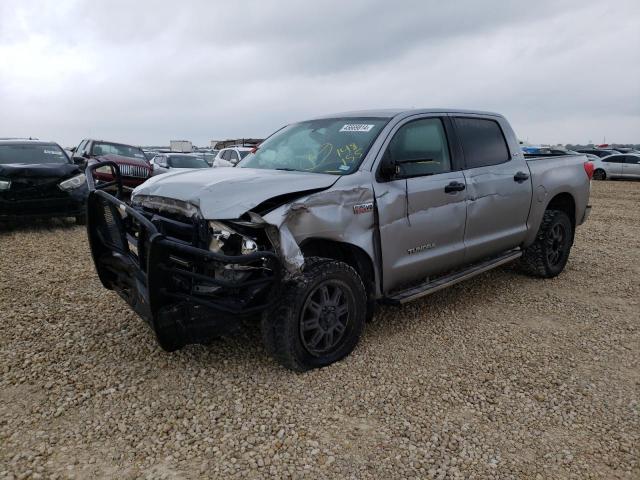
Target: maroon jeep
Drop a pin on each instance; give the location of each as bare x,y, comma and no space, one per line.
134,166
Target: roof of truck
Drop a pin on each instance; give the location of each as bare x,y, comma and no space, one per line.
392,112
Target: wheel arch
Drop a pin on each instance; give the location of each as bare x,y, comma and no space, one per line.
353,255
566,203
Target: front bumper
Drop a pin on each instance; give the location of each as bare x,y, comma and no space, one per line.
172,284
43,205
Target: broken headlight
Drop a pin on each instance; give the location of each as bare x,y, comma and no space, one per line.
228,241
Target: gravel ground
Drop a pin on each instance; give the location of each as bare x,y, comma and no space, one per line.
504,376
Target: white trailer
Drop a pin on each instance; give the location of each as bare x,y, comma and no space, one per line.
182,146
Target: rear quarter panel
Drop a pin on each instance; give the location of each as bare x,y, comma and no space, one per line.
552,176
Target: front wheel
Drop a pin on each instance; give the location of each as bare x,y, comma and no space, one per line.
599,174
548,255
319,318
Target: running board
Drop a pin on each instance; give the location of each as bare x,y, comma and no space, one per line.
439,283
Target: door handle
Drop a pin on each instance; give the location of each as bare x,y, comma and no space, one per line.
454,187
520,177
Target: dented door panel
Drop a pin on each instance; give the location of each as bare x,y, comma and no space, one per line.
421,228
497,209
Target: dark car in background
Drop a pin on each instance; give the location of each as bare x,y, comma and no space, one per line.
38,179
598,152
133,163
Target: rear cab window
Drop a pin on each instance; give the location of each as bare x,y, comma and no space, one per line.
482,140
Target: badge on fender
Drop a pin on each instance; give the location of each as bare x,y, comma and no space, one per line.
363,208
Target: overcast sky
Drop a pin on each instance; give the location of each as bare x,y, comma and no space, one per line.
146,72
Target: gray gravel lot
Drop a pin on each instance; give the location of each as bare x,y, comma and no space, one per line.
504,376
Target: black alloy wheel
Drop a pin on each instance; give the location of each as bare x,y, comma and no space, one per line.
556,244
324,317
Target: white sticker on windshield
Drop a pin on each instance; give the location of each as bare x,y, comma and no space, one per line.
52,152
356,127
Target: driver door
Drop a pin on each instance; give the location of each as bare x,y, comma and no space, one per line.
422,208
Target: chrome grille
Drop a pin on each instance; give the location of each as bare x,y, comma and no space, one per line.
134,171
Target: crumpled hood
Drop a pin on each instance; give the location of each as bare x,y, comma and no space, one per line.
39,170
227,193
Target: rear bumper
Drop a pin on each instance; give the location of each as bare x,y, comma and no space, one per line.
175,287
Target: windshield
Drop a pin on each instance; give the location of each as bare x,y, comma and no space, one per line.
31,154
185,161
101,148
335,146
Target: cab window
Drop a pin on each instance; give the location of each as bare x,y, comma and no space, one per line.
482,141
420,148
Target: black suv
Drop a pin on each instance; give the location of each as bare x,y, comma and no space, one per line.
37,179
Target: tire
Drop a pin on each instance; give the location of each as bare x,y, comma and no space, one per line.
548,255
334,321
81,219
599,174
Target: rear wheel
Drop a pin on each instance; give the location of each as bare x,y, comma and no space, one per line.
548,255
320,317
599,174
81,219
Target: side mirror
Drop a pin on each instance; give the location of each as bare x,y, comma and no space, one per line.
73,149
81,161
388,168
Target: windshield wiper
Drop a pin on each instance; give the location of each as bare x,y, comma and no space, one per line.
288,169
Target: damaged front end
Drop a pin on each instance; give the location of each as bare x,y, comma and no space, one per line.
189,278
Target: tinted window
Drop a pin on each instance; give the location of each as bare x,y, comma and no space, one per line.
614,159
420,148
482,142
186,161
226,155
31,154
631,159
101,148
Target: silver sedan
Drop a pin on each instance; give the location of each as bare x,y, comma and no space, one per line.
617,166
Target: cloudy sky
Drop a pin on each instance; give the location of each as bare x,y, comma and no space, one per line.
149,71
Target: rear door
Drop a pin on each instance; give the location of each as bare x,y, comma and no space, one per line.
498,187
422,207
631,166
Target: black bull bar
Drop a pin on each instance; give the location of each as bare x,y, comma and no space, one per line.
185,293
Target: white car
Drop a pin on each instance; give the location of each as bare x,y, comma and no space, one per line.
617,166
229,157
165,162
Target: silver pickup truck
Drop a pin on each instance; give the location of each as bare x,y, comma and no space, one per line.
330,216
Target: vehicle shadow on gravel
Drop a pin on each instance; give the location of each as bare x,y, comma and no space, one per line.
445,306
30,224
243,345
